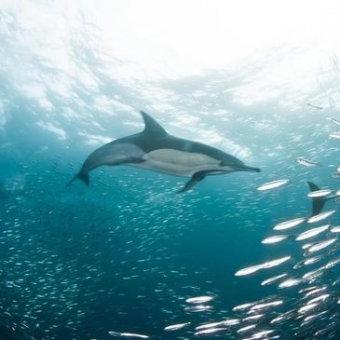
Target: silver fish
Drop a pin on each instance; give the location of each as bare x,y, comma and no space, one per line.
321,245
321,216
200,299
273,279
306,162
319,193
209,331
248,270
336,121
177,326
289,283
312,232
128,335
272,185
289,224
274,239
335,135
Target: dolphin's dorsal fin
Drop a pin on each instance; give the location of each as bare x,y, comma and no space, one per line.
317,202
151,126
313,187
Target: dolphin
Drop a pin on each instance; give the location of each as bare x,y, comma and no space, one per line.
155,149
318,202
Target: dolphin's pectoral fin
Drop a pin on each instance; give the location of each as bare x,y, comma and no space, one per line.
195,178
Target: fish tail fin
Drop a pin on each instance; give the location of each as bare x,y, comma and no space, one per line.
82,176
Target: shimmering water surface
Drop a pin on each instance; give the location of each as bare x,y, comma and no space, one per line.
237,257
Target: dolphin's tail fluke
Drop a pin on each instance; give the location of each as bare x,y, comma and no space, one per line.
317,202
82,176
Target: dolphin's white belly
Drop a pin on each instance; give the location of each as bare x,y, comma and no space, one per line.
179,163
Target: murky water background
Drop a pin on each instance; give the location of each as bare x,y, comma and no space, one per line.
126,253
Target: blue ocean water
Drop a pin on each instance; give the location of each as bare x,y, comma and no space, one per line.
124,254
